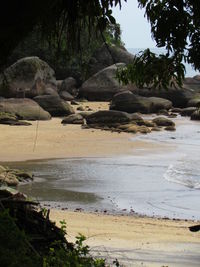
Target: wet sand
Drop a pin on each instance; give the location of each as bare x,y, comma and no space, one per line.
135,241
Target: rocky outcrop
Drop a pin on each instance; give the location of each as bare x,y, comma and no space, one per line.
24,109
129,102
73,119
104,57
102,86
54,105
12,177
28,77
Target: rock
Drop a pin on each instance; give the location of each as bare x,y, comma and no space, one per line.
73,119
176,110
194,102
102,86
163,112
192,83
144,129
124,127
9,179
69,85
188,111
196,115
24,108
103,58
54,105
12,177
170,128
73,102
128,102
66,96
149,123
162,121
156,129
85,114
7,118
132,129
29,77
136,118
107,117
80,108
178,97
50,91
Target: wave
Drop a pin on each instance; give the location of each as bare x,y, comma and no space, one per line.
186,177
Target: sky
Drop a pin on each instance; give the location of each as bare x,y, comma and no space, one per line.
136,31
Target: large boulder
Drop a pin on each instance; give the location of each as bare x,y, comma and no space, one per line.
29,77
24,108
187,111
108,117
104,57
129,102
66,96
102,86
54,105
195,101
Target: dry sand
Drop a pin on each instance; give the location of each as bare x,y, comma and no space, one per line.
50,139
135,241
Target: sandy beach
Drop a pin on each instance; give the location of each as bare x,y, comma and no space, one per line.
50,139
135,241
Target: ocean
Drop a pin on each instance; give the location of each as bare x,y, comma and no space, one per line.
190,72
165,183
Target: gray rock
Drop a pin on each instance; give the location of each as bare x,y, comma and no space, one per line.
188,111
54,105
108,117
178,97
103,58
128,102
102,86
28,76
73,119
162,121
24,108
69,85
194,102
66,96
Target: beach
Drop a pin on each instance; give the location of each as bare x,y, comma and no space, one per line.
135,240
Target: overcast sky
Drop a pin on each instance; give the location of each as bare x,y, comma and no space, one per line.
135,28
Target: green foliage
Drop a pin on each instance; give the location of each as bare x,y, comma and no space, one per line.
149,70
14,248
176,26
78,257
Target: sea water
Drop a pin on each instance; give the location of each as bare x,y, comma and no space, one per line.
164,182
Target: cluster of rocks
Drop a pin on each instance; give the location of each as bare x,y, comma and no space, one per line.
30,91
119,121
12,177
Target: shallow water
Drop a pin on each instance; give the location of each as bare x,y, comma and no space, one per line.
165,183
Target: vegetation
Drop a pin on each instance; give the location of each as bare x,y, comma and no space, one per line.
58,53
28,238
149,70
